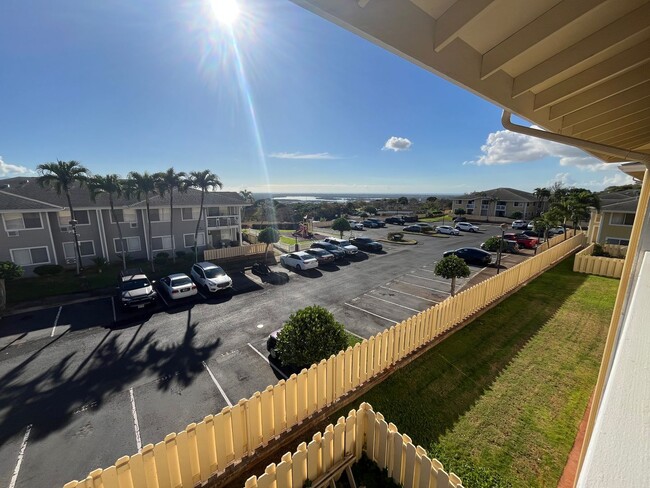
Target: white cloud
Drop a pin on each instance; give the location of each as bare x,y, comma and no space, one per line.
617,178
397,144
298,155
564,178
505,147
8,170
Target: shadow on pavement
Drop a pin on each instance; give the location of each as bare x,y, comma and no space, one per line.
275,278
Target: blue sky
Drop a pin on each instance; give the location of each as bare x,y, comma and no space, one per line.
300,105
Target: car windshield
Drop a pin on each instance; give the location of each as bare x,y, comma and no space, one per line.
344,243
135,284
181,281
214,272
364,239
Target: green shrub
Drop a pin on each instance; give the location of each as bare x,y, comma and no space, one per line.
599,251
310,334
181,254
395,236
161,257
100,262
492,244
516,215
10,270
48,270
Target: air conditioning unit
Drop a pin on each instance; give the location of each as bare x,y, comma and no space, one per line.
13,233
64,229
133,225
70,260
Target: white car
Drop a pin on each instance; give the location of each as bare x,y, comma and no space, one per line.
447,229
531,225
178,286
467,227
519,224
349,249
355,225
299,260
213,277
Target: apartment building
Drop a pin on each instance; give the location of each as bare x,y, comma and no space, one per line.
36,224
613,223
499,202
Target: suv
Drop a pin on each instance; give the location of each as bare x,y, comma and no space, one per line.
135,290
343,244
467,227
395,220
520,224
380,223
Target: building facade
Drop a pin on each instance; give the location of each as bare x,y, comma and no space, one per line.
613,223
36,226
499,202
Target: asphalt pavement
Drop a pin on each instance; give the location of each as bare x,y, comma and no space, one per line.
83,384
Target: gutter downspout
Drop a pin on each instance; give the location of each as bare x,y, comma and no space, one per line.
617,152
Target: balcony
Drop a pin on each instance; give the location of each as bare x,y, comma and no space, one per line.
470,206
223,221
501,208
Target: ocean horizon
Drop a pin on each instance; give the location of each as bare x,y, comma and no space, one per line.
343,197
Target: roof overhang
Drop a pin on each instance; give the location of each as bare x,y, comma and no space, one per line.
635,170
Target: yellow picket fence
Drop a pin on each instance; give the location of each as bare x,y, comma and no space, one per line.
206,448
232,252
363,431
597,265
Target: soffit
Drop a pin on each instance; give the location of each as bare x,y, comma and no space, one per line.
576,67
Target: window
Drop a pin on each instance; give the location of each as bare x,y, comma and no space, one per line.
190,213
515,204
86,248
459,202
22,221
161,243
81,217
621,219
213,211
132,244
126,215
160,215
188,239
30,256
617,241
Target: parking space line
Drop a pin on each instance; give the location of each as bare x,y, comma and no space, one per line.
428,279
409,294
136,426
355,335
163,299
267,361
364,310
393,303
56,321
21,454
214,380
113,305
420,286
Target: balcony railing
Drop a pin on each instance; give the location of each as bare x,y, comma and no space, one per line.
216,222
501,208
470,206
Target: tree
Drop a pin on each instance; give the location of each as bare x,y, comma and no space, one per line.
63,175
452,267
492,244
459,211
432,199
370,209
541,194
205,181
113,186
517,215
402,201
247,196
8,271
143,184
342,225
310,335
268,236
168,181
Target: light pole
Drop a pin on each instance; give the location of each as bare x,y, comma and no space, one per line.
503,231
73,223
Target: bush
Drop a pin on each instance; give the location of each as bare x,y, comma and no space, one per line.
516,215
460,211
491,244
10,270
48,270
310,334
161,257
100,262
181,254
599,251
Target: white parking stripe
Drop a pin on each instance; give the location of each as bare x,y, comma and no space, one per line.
393,303
267,360
355,335
56,321
214,380
420,286
409,294
136,426
364,310
21,454
113,305
428,279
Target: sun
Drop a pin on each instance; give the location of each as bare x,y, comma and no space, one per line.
225,11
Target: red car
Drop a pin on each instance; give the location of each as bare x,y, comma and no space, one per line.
523,240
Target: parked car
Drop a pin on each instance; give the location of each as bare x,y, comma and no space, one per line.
330,248
520,224
355,225
380,223
211,276
349,249
460,218
370,224
395,220
471,255
177,286
299,260
530,233
260,269
467,227
531,225
367,244
410,218
135,290
413,228
508,246
523,240
554,231
322,256
447,229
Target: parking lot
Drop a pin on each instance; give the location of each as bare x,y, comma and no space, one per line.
102,384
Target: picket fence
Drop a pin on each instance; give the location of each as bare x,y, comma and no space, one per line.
363,431
597,265
206,448
232,252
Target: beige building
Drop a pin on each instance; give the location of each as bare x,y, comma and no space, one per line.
613,224
499,202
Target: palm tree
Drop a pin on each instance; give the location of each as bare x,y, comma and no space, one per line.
541,194
205,181
63,175
169,181
247,196
113,186
143,184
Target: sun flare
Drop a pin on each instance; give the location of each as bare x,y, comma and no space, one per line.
225,11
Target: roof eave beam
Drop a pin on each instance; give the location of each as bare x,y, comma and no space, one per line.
456,17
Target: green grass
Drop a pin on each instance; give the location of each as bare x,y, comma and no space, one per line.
447,219
505,395
352,339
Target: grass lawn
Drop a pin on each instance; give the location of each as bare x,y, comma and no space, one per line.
446,218
352,339
505,395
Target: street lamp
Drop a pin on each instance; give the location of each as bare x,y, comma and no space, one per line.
73,223
503,231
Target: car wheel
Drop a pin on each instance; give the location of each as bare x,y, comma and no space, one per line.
299,267
473,230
